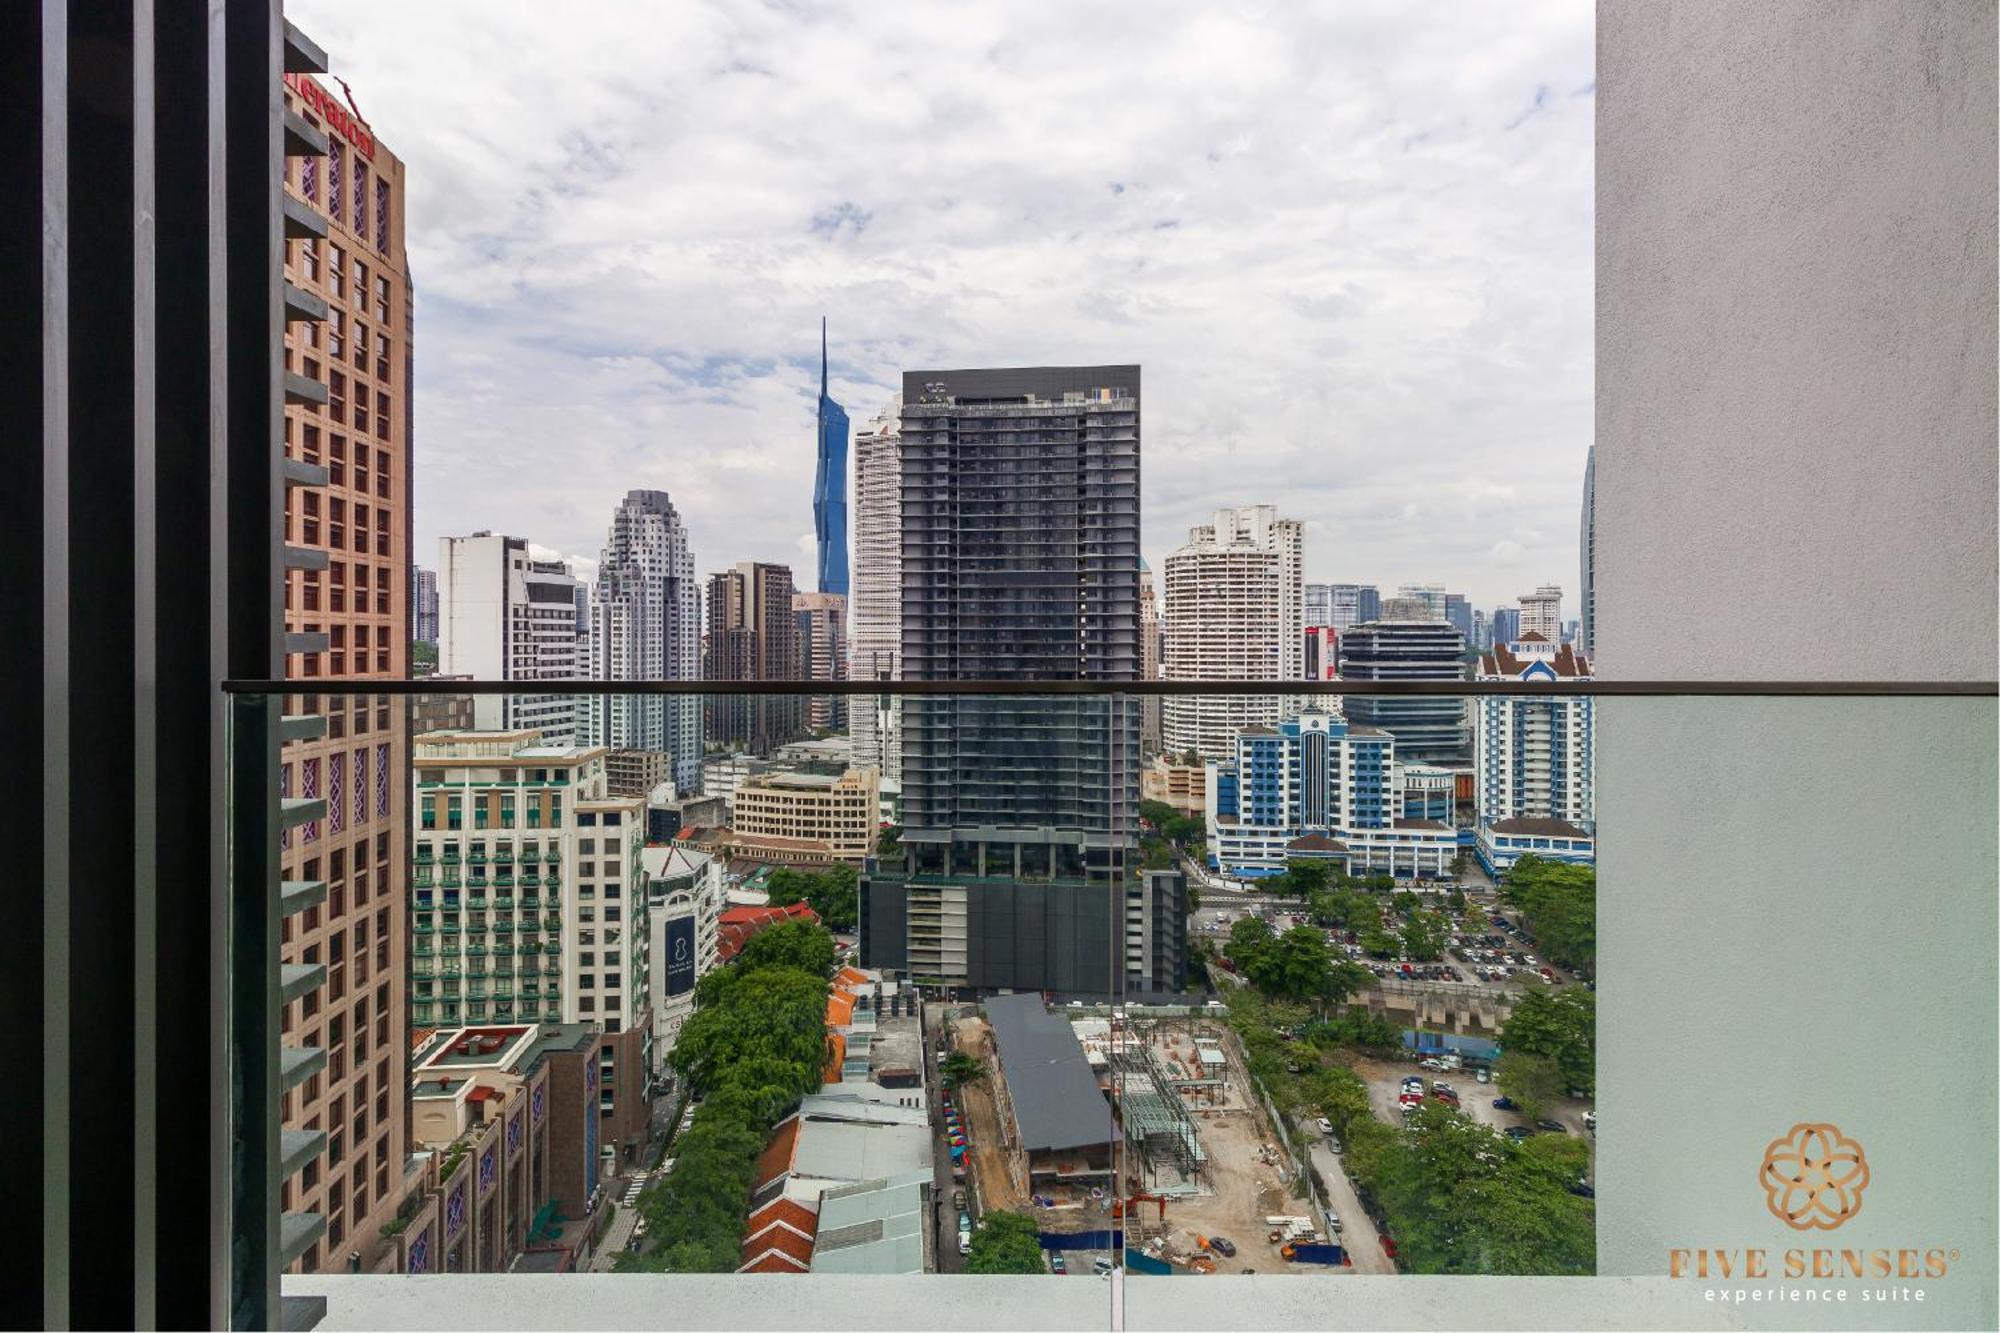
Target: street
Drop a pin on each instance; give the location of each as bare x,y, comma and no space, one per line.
1358,1234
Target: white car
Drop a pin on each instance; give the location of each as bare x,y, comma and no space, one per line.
1325,1125
1590,1121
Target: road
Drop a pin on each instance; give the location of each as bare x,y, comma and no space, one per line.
1358,1235
944,1218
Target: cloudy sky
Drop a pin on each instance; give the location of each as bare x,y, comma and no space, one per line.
1349,243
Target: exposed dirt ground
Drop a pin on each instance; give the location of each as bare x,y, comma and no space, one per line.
995,1174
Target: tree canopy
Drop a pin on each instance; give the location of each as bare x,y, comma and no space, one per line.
833,893
754,1045
799,944
1005,1243
1560,902
1561,1026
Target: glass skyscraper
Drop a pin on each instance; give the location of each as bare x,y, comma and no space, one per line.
830,485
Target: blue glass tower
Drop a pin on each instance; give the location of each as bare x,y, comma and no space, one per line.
830,486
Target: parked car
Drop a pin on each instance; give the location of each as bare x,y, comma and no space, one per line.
965,1242
1590,1121
1482,1076
1503,1103
1582,1190
958,1200
1325,1125
1518,1132
1101,1266
1550,1127
1056,1264
1389,1245
1223,1246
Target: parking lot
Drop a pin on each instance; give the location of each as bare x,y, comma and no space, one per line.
1475,1100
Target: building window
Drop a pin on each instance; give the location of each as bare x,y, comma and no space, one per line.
381,214
360,195
309,178
336,166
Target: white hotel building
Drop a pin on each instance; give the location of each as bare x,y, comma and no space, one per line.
1233,609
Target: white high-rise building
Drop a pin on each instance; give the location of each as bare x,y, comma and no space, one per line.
1150,650
875,591
1541,613
1234,609
1534,758
645,625
504,615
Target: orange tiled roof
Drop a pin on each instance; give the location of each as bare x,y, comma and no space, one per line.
776,1159
839,1009
836,1056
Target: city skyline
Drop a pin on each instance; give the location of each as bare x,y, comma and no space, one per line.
1411,297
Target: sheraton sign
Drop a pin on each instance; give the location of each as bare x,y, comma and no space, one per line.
336,116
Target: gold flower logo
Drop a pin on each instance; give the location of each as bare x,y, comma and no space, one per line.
1813,1177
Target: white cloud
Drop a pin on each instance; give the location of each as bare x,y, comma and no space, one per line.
1354,290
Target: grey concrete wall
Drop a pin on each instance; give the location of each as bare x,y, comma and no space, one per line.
1795,481
1795,339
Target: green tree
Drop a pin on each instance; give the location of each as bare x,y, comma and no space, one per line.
1185,829
1248,940
1560,1025
1426,936
1305,876
1294,965
1530,1080
796,944
889,842
959,1069
1560,903
1005,1243
1157,813
772,1011
833,893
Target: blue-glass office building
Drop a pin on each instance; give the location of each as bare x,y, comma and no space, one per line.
830,485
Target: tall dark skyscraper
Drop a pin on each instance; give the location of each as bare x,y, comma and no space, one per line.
830,485
1020,562
1428,729
1586,631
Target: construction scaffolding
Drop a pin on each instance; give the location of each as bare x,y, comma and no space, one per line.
1156,1122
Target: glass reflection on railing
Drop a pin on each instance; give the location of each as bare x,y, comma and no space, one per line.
946,983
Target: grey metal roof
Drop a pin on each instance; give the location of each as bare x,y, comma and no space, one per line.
1057,1103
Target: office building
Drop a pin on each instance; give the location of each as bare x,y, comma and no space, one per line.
1505,626
753,634
1316,786
822,635
505,615
875,604
1350,604
1172,782
684,909
1482,631
507,1119
1541,613
423,604
1458,614
1533,756
347,614
1020,539
1431,596
830,484
1318,604
645,625
1587,559
1322,653
529,902
834,814
1233,608
636,773
1429,729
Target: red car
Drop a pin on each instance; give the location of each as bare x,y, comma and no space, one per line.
1389,1246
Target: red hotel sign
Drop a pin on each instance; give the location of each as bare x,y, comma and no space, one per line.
333,113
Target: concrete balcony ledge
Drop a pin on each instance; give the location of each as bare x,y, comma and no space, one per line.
959,1302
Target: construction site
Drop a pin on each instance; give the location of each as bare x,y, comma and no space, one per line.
1151,1123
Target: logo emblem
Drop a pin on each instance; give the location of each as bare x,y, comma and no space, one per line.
1813,1177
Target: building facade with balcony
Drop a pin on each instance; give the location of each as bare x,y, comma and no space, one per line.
529,902
347,613
1233,608
753,634
875,600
